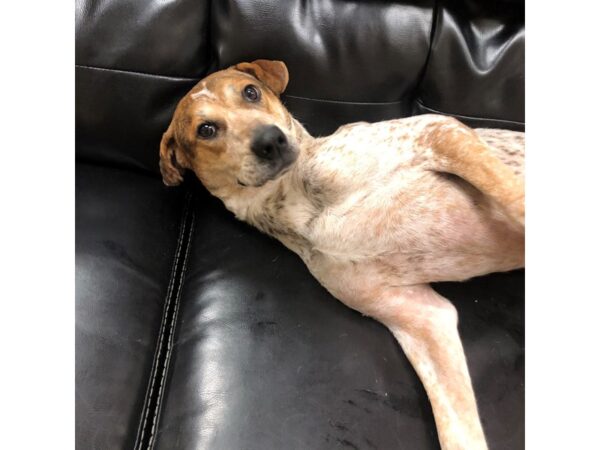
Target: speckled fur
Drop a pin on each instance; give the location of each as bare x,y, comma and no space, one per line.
376,211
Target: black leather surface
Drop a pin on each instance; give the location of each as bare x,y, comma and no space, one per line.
126,233
477,63
148,36
121,116
359,51
265,358
323,117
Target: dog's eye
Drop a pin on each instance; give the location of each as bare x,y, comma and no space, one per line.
207,130
251,93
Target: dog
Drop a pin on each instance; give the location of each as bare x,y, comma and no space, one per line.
376,211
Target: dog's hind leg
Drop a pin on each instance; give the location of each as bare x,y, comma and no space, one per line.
425,325
452,147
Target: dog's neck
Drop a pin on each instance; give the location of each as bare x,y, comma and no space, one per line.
265,207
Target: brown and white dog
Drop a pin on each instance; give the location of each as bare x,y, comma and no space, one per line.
376,211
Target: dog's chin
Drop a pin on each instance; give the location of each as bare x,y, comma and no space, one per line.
270,176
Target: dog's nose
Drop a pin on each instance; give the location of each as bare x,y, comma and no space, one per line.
269,142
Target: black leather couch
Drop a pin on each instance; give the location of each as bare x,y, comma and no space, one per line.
194,331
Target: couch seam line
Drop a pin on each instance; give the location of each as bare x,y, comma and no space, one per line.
134,72
162,332
172,327
432,34
489,119
346,102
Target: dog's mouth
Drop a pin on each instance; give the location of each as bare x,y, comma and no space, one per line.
284,170
272,170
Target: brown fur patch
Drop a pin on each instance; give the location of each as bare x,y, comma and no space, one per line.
458,149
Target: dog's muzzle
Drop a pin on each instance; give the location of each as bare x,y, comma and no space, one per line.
271,146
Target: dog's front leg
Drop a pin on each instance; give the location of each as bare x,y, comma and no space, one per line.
455,148
425,325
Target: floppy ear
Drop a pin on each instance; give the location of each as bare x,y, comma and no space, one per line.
272,73
170,168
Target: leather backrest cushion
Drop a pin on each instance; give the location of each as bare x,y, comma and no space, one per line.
349,60
477,63
135,59
344,50
149,36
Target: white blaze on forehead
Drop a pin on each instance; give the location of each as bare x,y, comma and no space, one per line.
203,93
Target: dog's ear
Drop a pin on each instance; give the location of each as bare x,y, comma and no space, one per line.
170,167
272,73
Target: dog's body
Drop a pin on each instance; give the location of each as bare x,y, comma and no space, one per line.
376,211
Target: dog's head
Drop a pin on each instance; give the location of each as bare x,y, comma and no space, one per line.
231,129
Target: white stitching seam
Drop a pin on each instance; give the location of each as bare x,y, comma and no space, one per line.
170,339
163,325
